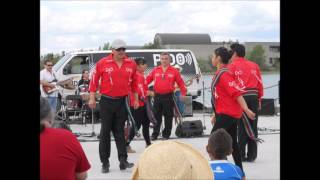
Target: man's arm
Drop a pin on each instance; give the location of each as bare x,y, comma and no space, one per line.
150,77
95,77
245,108
93,86
134,89
181,84
46,83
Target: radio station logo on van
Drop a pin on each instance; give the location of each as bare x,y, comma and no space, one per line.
179,59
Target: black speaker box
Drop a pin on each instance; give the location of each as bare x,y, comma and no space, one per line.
267,107
189,129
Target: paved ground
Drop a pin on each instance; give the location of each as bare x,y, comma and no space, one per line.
266,167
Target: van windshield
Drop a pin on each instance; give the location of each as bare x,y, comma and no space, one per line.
61,62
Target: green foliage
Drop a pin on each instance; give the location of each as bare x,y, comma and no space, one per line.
257,55
51,56
276,65
106,46
150,45
205,65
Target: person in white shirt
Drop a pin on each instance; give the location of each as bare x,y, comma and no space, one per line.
48,87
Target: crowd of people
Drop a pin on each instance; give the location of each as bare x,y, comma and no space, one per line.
236,98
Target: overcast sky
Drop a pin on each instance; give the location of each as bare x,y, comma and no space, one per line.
74,25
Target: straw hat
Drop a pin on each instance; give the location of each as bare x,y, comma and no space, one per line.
172,160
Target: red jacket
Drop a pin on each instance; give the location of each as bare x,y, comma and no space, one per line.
141,87
115,81
164,82
226,94
247,74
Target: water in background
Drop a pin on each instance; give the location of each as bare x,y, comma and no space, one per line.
268,80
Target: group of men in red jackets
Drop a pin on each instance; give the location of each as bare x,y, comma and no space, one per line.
117,76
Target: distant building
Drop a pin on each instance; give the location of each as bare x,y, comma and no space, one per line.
199,44
272,51
134,47
203,48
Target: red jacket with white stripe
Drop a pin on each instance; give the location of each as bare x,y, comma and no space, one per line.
247,74
164,82
226,94
115,81
141,87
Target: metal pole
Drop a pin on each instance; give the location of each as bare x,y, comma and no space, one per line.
92,121
83,113
203,111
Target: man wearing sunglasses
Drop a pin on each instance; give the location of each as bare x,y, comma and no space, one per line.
47,82
114,75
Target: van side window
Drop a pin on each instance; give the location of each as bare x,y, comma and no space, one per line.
77,64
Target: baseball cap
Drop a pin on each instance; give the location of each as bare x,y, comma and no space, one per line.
118,43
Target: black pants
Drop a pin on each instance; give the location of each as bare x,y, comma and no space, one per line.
230,125
113,116
163,104
253,103
141,118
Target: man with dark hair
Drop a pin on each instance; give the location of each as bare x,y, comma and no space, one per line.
165,76
219,147
48,84
114,75
239,49
248,76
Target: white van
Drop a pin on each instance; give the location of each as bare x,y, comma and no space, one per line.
72,64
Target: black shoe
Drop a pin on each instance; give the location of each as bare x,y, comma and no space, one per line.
250,160
244,159
148,145
124,164
165,138
153,138
105,167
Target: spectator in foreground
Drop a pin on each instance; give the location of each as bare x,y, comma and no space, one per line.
61,155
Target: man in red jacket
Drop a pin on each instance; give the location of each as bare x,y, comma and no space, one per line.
116,76
248,76
165,77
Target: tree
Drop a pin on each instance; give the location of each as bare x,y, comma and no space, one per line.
150,45
53,57
276,65
205,65
106,46
257,55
